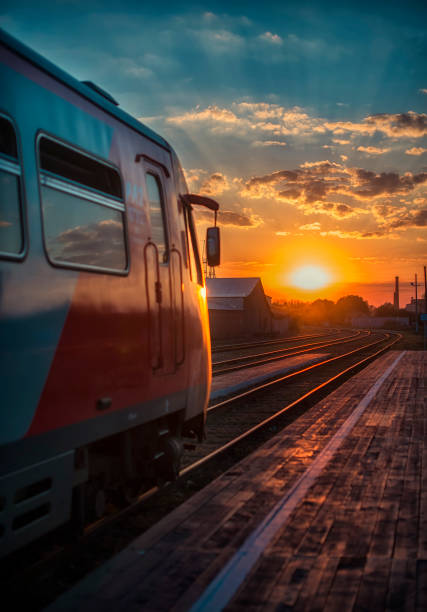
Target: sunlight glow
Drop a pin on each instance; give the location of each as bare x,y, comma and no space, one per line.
310,277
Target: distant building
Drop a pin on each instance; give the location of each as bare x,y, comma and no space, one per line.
238,307
412,306
396,293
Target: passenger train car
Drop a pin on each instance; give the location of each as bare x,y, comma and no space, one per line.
104,335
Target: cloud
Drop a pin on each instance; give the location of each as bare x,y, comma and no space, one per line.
97,244
259,119
310,226
393,217
214,185
229,217
297,47
373,150
341,192
260,110
415,151
283,233
275,39
401,125
210,114
369,184
247,119
253,266
193,178
305,185
217,41
332,209
417,218
268,143
355,234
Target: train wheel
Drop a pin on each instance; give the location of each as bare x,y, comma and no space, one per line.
170,463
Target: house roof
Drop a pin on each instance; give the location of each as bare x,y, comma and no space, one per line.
231,287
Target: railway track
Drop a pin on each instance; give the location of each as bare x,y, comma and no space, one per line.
261,410
305,369
312,392
231,365
245,345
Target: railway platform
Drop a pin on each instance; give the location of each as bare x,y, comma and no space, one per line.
330,514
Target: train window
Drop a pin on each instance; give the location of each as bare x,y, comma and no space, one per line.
157,216
7,139
74,166
11,235
82,228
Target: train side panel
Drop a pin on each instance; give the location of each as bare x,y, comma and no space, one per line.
89,356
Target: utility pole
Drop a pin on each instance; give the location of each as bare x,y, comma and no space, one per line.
425,291
416,285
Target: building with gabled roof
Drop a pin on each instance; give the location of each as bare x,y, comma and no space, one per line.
238,307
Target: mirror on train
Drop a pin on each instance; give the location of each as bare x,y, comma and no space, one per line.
213,246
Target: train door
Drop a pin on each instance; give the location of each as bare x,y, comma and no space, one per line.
163,269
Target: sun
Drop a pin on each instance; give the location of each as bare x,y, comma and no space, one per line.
310,277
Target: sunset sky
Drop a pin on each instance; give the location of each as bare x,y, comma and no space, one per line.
305,120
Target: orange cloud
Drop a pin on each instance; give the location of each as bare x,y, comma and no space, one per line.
402,125
310,226
193,177
332,209
216,184
247,118
373,150
229,217
268,143
355,234
314,181
369,184
211,113
415,151
313,187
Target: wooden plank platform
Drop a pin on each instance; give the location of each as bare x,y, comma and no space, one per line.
331,514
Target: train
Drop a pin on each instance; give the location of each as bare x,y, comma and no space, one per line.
104,335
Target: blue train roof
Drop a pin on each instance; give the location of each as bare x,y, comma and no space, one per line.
93,93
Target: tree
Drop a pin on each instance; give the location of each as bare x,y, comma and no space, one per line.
386,310
320,311
350,306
